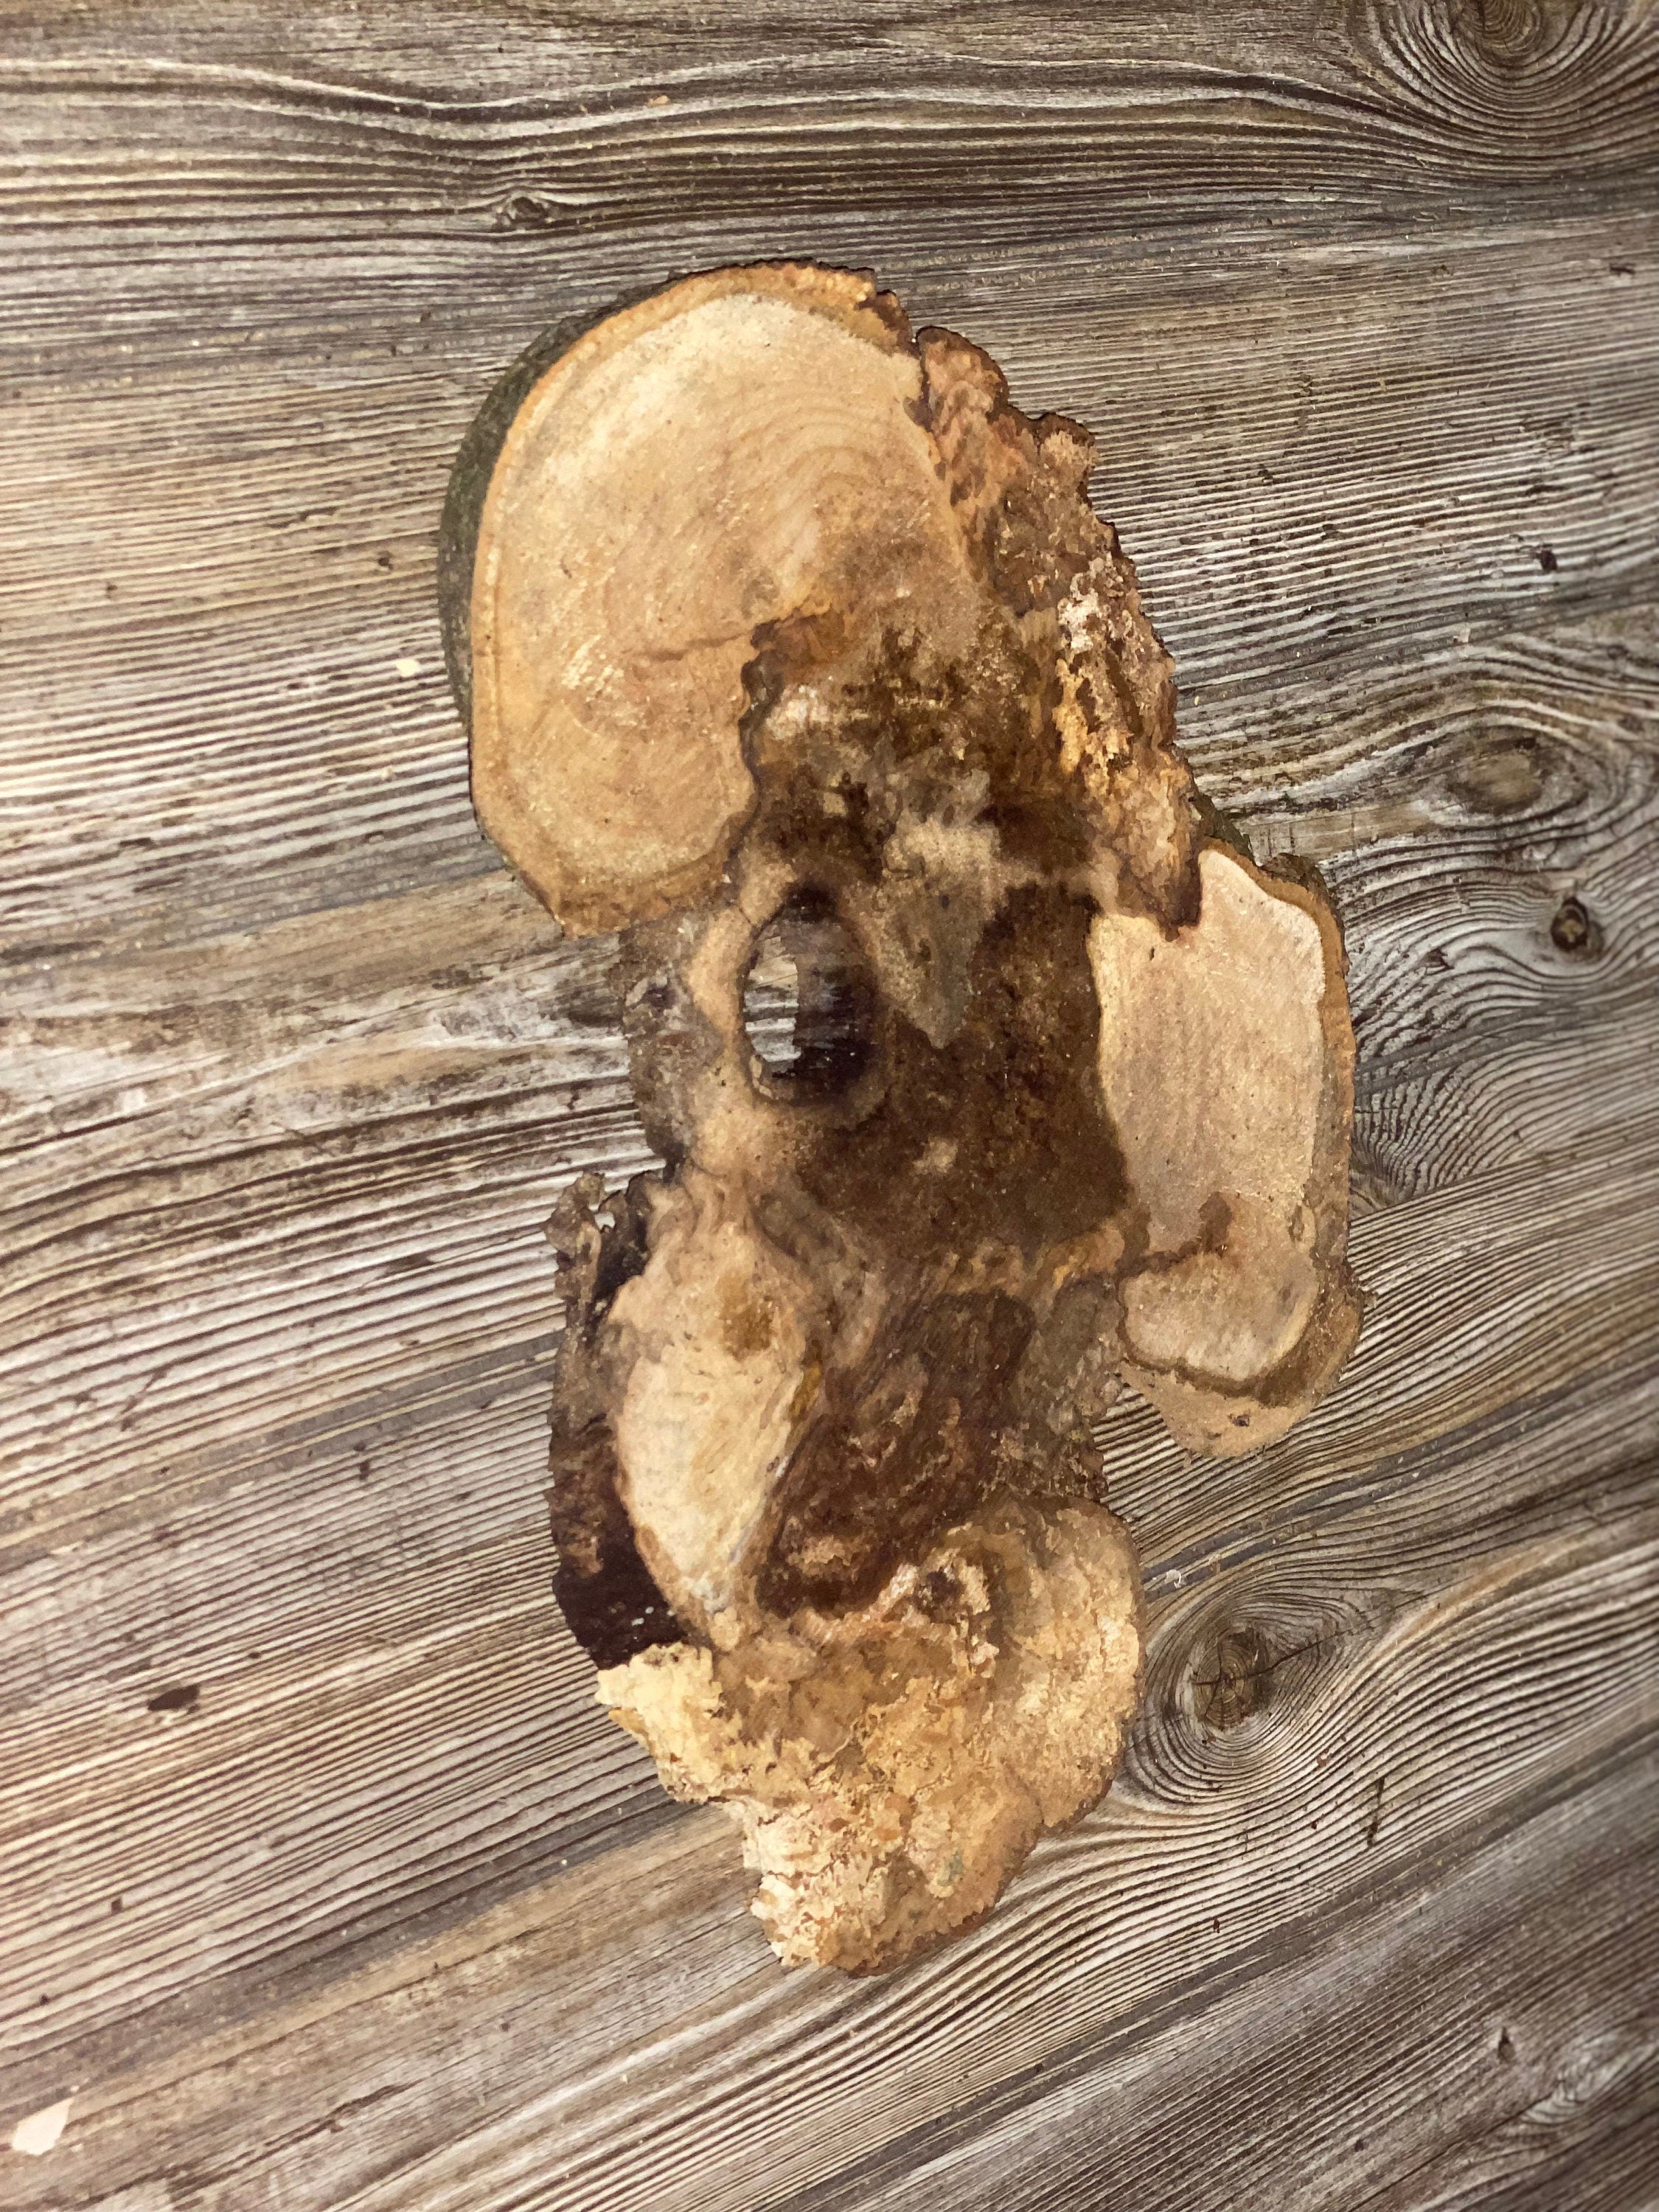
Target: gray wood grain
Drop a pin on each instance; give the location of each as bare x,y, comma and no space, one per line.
322,1880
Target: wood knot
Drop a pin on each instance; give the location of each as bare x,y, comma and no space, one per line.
1513,28
1238,1679
1518,35
528,211
1522,74
1574,930
1498,775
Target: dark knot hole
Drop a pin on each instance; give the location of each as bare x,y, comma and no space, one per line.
809,1001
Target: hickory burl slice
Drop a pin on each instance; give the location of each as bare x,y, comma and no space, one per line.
799,658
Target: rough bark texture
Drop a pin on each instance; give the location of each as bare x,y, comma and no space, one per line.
799,651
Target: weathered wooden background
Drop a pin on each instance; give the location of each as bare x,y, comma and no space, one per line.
325,1885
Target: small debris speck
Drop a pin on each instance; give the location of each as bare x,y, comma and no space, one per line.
37,2134
407,666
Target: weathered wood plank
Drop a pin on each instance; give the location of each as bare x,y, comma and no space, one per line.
1478,1417
256,586
1535,1664
592,120
397,1739
696,2121
1361,300
1505,2037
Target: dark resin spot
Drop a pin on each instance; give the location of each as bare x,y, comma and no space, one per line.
177,1697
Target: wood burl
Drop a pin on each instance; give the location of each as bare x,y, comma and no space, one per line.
988,1074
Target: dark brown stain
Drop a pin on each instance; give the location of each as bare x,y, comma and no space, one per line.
177,1697
606,1592
899,1449
1019,1082
747,1322
1376,1823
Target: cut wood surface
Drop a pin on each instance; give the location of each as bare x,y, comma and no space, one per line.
324,1881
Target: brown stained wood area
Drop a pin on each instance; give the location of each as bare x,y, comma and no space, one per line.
324,1882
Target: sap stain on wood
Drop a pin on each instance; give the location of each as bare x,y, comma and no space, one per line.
1367,293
